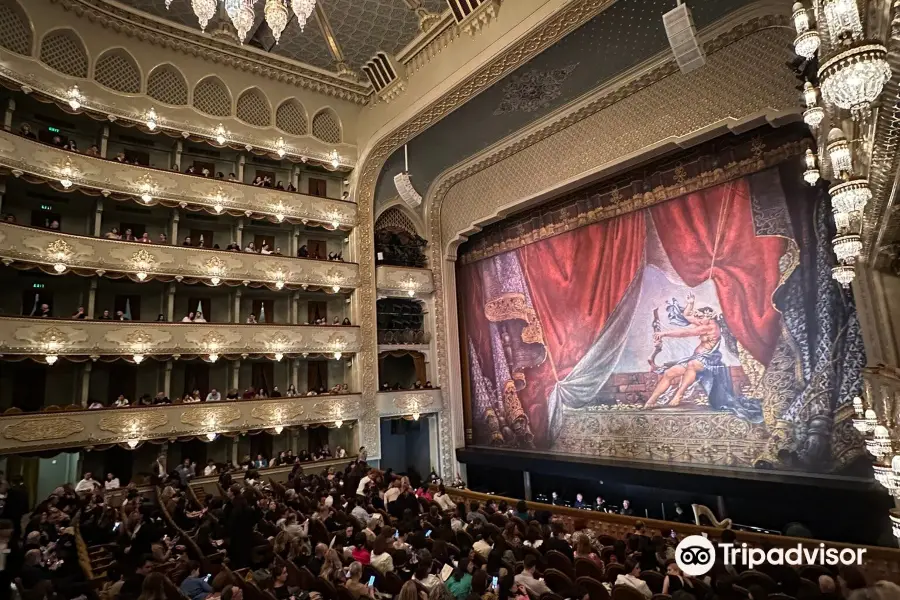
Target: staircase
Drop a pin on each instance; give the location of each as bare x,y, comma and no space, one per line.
101,559
200,494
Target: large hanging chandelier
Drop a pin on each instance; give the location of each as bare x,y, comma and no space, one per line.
243,15
854,78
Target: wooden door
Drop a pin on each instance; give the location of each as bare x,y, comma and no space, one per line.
196,377
317,187
29,386
264,316
317,375
32,300
192,305
202,238
316,310
126,303
262,375
122,380
317,249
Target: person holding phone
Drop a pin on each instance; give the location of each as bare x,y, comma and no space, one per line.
356,587
195,586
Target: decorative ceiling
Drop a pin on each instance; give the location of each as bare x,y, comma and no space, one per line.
626,34
358,28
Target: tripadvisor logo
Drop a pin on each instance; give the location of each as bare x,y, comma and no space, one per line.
695,555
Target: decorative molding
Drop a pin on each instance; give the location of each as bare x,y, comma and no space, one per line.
403,282
480,17
393,404
122,181
29,247
134,24
21,336
78,428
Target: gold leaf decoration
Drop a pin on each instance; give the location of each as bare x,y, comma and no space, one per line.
210,417
277,412
135,424
38,429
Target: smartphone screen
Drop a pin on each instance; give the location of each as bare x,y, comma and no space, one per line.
371,581
117,525
428,533
208,577
396,535
494,583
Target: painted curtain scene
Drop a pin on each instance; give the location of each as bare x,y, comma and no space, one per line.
702,329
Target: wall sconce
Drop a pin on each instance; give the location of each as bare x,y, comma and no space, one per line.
279,356
73,94
66,173
138,358
811,174
415,416
336,288
146,187
151,119
337,355
278,429
213,357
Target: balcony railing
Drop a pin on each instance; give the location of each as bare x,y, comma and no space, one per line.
75,428
150,186
57,252
409,403
54,338
406,282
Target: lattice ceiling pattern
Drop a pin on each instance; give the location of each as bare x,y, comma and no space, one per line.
63,50
117,70
325,126
167,84
361,28
253,108
291,117
15,32
394,218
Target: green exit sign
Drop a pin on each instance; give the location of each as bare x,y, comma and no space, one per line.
46,207
37,286
53,129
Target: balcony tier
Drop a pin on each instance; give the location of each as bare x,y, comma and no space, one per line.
409,402
23,156
403,282
21,336
27,246
76,428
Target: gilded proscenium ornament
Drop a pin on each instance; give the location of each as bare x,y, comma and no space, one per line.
39,248
277,413
133,425
210,418
42,428
402,280
26,156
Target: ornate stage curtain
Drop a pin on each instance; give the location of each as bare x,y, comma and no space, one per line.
711,234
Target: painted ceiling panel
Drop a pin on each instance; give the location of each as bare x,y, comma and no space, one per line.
626,34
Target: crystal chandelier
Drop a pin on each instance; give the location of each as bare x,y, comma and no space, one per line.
303,9
850,196
205,10
807,41
811,174
839,154
843,274
243,14
814,114
847,247
853,79
277,17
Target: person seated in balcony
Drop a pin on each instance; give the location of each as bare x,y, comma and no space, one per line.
10,218
145,400
279,185
258,181
187,241
106,316
291,187
188,399
276,393
340,452
346,321
112,482
198,318
250,248
87,483
128,236
267,181
121,401
204,172
145,238
161,398
121,316
220,175
336,321
95,405
57,141
249,393
232,177
311,392
79,314
291,391
428,385
210,468
161,318
233,247
44,311
190,170
260,462
25,131
162,239
277,251
188,318
120,157
113,234
265,249
93,151
251,319
71,146
213,395
303,252
417,385
232,394
195,396
54,225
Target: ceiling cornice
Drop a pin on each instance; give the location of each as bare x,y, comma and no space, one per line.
127,21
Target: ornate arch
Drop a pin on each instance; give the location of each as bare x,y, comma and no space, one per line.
117,70
212,97
326,126
167,84
63,50
291,117
395,213
253,107
16,32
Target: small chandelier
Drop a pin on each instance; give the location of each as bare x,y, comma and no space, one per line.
814,114
847,247
850,196
880,444
807,41
66,174
151,119
854,78
844,25
843,274
335,159
279,147
303,9
74,97
146,187
839,154
276,17
220,134
811,174
205,10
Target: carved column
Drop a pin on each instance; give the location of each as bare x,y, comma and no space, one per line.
295,374
295,177
7,118
173,237
98,217
92,298
86,383
239,233
295,307
453,395
294,246
170,302
104,141
235,375
179,147
238,293
167,378
2,193
241,161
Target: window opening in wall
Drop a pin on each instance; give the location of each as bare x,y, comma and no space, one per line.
317,375
262,376
202,238
264,310
48,219
193,304
317,187
316,310
129,305
33,299
317,249
196,377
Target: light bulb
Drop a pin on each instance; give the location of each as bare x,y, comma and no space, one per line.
278,429
279,284
337,355
336,288
51,359
138,358
141,275
211,436
133,444
59,267
279,356
338,423
213,357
